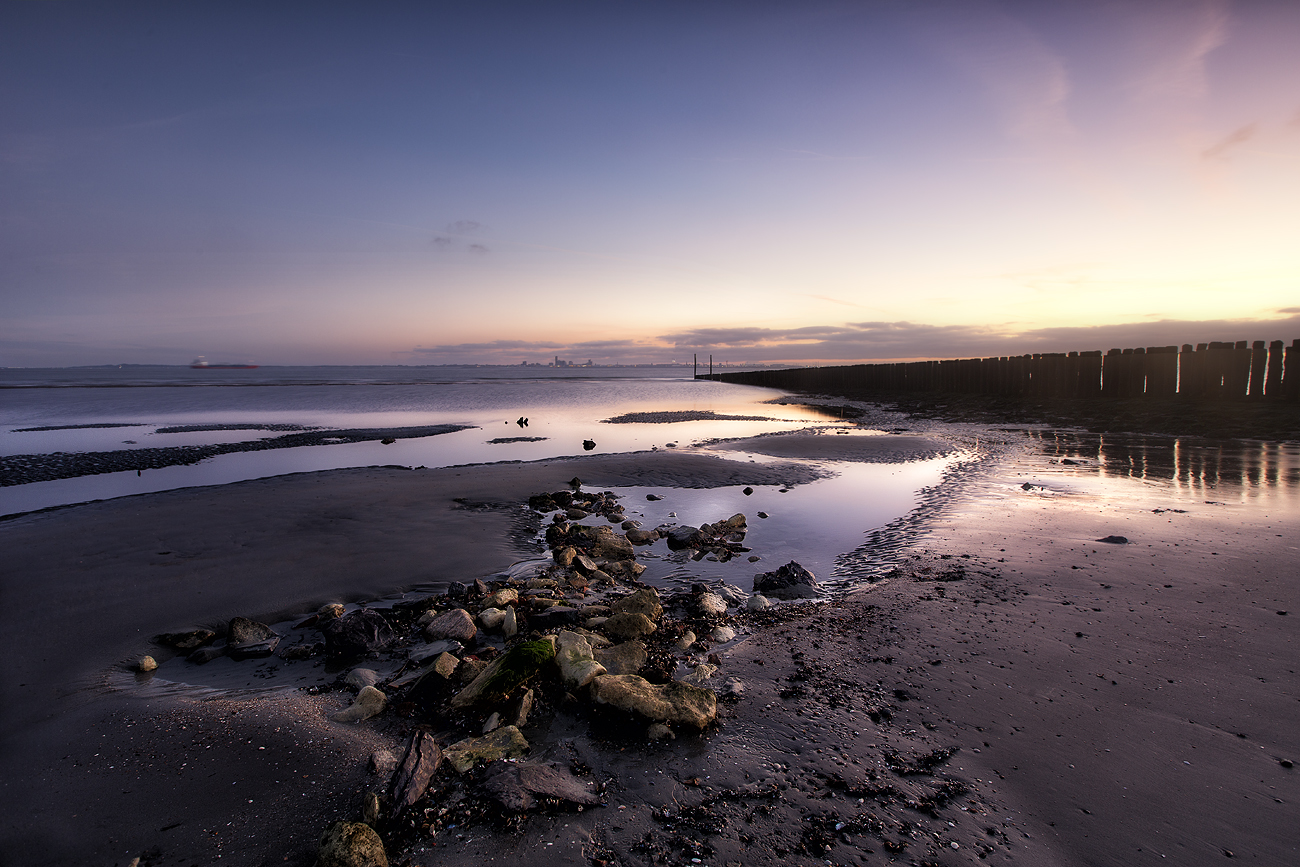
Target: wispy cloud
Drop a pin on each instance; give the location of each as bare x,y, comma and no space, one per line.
1180,38
474,351
1231,141
1022,76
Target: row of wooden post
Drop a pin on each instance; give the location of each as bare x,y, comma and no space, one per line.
1210,371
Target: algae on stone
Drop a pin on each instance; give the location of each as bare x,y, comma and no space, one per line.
505,673
504,743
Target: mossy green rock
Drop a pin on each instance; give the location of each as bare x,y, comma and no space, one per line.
505,673
505,743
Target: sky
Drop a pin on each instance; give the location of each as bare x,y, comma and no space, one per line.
798,182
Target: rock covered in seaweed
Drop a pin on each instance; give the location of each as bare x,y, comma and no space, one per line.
505,673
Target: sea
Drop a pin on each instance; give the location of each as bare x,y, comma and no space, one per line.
109,410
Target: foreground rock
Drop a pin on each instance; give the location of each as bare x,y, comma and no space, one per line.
456,625
578,665
645,601
505,743
370,702
357,634
791,581
505,673
625,626
672,702
418,766
626,658
516,786
248,639
351,844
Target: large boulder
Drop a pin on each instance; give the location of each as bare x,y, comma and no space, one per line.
356,634
600,542
610,545
710,605
505,673
791,581
501,598
672,702
456,625
735,524
578,665
351,844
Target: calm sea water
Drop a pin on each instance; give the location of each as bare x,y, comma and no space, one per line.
564,407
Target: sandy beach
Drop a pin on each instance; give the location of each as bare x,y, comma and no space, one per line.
1015,692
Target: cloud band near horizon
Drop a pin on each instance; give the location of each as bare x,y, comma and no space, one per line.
871,341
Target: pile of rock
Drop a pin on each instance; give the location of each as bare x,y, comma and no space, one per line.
485,662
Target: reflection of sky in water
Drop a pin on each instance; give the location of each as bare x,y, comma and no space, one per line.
811,523
563,411
1192,470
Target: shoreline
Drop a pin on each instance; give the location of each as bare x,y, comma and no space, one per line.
766,741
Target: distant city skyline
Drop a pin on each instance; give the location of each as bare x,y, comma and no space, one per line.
822,182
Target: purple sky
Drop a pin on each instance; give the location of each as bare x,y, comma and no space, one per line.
427,183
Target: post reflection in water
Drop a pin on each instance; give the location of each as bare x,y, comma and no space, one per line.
1199,468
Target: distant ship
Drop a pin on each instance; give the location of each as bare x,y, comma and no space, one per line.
200,364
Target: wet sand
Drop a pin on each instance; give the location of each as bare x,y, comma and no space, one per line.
842,700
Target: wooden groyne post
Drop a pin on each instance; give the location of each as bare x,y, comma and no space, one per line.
1213,371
